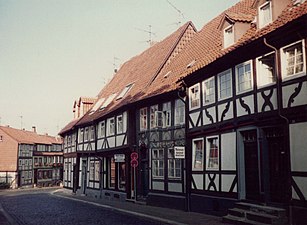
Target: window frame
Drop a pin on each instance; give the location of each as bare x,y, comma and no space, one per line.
260,71
152,116
143,119
285,64
208,152
194,167
225,72
249,62
261,14
111,126
119,124
179,112
172,160
102,129
229,39
204,87
194,97
157,169
167,111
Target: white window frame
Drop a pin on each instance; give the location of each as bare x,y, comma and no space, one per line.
92,133
81,137
264,78
179,112
171,160
284,61
102,129
194,96
111,126
159,119
143,119
86,134
208,91
152,116
208,158
261,13
124,91
244,76
229,37
167,112
194,154
119,124
226,72
159,166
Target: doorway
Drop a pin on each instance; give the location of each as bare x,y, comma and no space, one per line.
83,176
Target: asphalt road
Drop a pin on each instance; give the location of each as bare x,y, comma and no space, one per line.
40,207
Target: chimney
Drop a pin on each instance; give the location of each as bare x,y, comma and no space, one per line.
34,129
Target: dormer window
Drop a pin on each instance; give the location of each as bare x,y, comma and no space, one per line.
229,37
265,14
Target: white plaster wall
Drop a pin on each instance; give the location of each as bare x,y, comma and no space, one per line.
175,187
119,140
227,181
302,184
228,115
301,99
198,179
212,112
111,142
298,146
194,118
228,151
261,101
248,100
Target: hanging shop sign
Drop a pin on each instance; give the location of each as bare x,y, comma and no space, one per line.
179,152
119,157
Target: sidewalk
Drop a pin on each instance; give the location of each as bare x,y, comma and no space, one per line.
164,215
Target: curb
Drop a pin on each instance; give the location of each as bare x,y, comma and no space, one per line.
120,210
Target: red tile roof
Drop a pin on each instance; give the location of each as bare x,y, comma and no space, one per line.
140,71
206,46
29,137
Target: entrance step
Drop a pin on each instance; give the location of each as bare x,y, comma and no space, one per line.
247,213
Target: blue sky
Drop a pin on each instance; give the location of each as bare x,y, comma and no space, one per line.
54,51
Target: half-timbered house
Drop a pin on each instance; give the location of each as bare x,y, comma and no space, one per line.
105,137
246,108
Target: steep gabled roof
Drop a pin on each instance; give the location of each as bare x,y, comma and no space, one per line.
207,45
29,137
140,71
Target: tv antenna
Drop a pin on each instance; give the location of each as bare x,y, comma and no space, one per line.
150,33
20,122
181,15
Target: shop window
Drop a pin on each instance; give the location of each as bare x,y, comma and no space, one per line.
179,112
198,154
143,119
121,176
157,163
194,97
293,58
174,165
266,70
212,153
112,173
97,171
209,91
225,85
244,77
92,170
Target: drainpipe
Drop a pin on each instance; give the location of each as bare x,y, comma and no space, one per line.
279,106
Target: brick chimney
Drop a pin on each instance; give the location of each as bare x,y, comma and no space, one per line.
34,129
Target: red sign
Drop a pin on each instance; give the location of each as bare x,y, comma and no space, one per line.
134,155
134,163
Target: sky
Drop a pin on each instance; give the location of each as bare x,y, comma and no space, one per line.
54,51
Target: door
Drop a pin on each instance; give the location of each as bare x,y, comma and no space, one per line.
83,176
251,162
75,178
278,167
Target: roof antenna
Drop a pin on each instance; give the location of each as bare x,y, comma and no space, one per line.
150,41
20,122
181,15
115,64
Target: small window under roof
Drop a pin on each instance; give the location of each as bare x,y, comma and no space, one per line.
97,104
124,91
108,101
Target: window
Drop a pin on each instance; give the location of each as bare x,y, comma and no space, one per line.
209,91
81,135
102,129
174,165
124,91
265,14
92,170
112,173
179,112
212,153
224,84
97,170
143,119
167,112
244,77
122,176
119,124
293,59
86,134
92,135
110,128
157,163
194,97
198,154
229,37
266,70
153,110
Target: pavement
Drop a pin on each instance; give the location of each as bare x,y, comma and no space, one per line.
163,215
